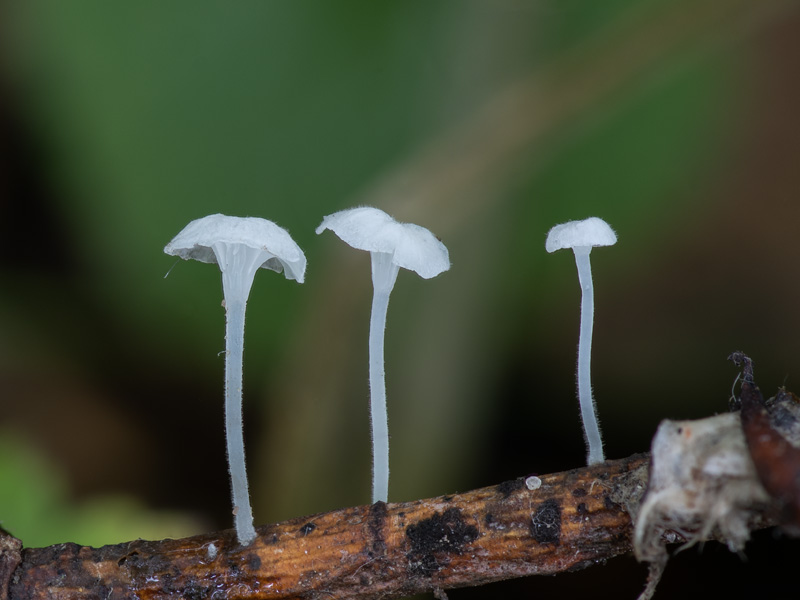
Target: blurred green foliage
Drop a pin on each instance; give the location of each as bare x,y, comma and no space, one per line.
37,508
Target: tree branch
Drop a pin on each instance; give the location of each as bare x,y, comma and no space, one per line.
573,520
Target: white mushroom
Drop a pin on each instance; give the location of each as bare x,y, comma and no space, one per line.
392,245
581,236
240,246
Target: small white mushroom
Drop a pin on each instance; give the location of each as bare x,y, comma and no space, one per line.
240,246
392,245
582,236
533,483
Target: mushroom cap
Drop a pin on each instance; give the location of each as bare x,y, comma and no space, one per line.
195,241
587,233
411,246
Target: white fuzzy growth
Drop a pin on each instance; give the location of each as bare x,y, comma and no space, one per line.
212,552
702,479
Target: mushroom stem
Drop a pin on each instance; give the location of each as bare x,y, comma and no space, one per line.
239,265
234,339
591,428
384,275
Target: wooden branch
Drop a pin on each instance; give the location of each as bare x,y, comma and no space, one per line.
572,520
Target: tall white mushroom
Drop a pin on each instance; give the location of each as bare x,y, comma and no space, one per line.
240,246
392,245
582,236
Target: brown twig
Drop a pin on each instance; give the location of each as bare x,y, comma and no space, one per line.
572,520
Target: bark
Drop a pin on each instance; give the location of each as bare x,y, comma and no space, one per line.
571,521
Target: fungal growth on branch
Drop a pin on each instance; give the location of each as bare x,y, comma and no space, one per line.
240,246
582,236
392,245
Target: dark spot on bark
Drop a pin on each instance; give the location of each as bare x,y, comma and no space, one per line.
375,523
546,523
492,522
133,557
234,568
447,499
610,504
307,528
274,539
432,539
195,591
308,578
581,509
579,492
253,562
104,591
168,584
509,487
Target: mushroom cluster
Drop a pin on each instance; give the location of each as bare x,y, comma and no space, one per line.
240,246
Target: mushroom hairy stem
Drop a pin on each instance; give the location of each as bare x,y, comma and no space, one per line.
240,246
238,265
588,409
384,275
234,434
581,237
